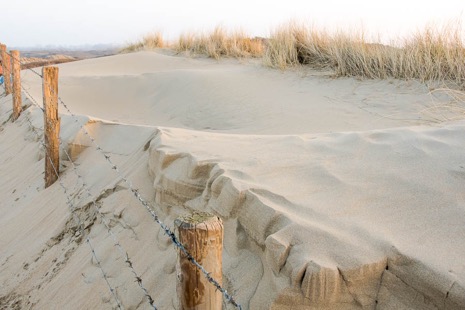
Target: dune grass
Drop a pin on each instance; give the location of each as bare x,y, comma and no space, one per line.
216,44
220,43
432,54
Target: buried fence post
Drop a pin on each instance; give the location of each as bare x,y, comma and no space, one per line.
6,68
202,236
51,124
16,84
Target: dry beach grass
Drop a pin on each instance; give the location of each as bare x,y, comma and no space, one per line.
220,43
432,54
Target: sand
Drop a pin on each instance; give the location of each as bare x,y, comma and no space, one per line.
335,193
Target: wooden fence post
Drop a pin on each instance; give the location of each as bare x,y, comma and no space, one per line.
17,104
6,68
202,236
51,124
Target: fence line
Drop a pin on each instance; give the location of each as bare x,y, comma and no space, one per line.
116,242
122,251
148,207
79,225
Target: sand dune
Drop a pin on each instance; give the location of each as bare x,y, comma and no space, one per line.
335,193
205,95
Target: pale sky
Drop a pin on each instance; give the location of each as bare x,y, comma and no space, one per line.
70,22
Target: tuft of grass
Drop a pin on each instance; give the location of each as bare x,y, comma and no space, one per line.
220,43
282,49
432,54
150,41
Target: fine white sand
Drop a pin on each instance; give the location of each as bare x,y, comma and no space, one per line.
335,193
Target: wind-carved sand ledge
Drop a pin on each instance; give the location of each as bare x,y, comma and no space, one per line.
335,194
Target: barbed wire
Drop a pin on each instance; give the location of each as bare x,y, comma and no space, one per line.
112,290
116,242
24,64
147,206
69,203
79,224
32,98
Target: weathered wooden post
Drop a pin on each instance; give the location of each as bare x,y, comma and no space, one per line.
6,68
51,124
17,103
202,236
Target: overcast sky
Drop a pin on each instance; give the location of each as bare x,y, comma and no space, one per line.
70,22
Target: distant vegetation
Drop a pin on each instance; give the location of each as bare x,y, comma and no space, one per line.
432,54
34,62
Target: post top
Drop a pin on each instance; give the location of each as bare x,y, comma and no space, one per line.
198,217
49,69
199,220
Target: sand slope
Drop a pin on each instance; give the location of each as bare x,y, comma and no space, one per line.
335,194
